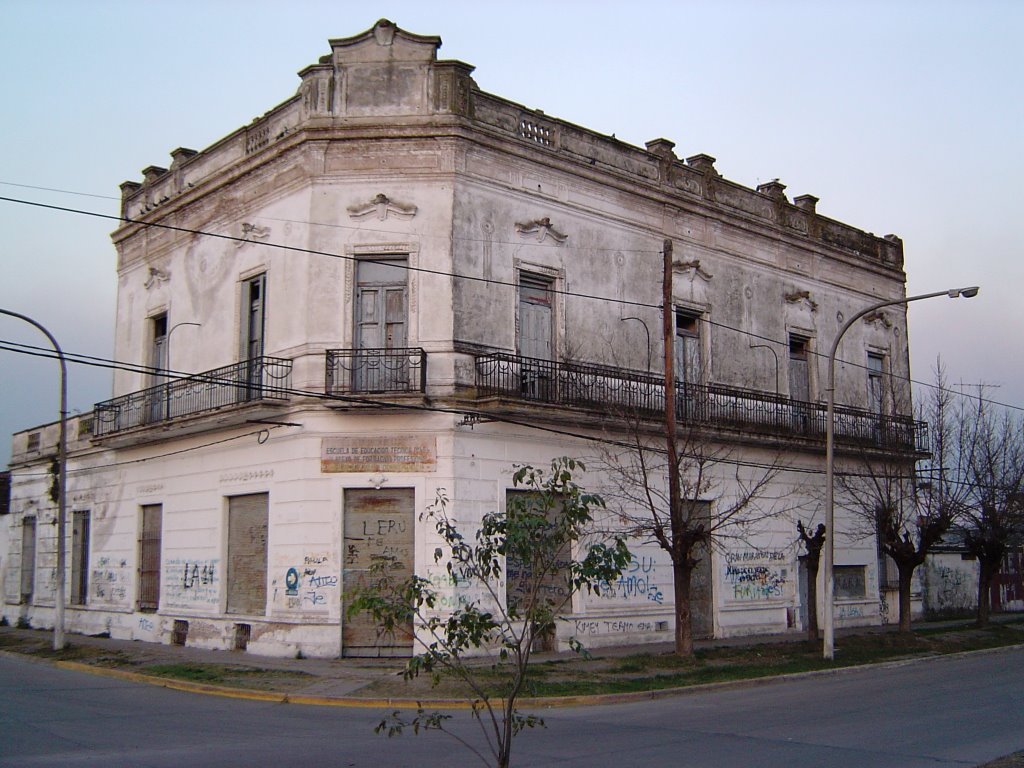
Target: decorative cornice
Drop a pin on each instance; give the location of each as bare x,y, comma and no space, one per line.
539,229
383,206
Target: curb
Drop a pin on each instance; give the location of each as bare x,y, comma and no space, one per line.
550,702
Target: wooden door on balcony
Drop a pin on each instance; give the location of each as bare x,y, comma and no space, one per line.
535,337
381,320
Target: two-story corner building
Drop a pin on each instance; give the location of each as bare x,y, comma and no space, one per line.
395,283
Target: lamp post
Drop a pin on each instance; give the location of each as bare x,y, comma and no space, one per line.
167,354
168,342
776,356
62,476
829,555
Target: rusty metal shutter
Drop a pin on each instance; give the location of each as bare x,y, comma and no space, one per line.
247,554
377,523
149,557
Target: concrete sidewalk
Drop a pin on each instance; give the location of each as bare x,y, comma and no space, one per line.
326,681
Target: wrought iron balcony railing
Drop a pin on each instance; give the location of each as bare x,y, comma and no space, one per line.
376,371
630,393
261,378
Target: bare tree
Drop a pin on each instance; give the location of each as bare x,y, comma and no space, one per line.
690,529
976,477
881,500
813,543
993,515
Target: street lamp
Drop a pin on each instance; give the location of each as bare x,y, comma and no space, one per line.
828,561
648,332
776,356
168,341
170,369
62,476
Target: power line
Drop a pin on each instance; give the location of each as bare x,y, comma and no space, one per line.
454,275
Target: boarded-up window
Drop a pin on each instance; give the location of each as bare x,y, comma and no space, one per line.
378,523
80,558
520,578
850,581
149,557
28,558
247,554
524,579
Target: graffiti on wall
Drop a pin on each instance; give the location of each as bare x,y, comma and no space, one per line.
191,582
639,582
109,581
951,589
756,575
309,585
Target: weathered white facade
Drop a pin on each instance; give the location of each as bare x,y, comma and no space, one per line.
395,283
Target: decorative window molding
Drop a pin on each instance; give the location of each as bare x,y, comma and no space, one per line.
383,206
539,229
802,299
251,233
691,269
156,277
880,318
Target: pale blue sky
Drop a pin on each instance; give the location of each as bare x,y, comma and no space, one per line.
903,117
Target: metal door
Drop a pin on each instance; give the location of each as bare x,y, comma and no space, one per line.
247,554
378,523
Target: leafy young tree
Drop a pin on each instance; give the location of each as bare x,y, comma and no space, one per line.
525,564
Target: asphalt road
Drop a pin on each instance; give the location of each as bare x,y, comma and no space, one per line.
944,712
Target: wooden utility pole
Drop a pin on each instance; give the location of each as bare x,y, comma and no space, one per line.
675,511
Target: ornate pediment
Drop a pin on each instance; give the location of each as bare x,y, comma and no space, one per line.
540,229
383,206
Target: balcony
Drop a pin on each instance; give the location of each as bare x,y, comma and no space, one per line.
258,379
631,393
376,371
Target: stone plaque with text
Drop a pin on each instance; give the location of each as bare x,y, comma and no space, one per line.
378,454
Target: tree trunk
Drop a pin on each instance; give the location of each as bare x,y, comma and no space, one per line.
681,575
812,599
906,573
985,574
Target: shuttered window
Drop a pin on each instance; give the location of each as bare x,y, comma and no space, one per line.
80,558
149,557
28,558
